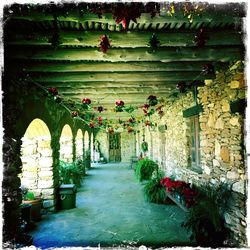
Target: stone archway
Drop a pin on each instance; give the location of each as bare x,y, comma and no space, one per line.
37,162
79,144
66,144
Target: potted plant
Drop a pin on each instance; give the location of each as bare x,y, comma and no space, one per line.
144,169
205,219
36,202
154,191
70,173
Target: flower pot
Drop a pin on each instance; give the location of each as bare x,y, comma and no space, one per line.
35,209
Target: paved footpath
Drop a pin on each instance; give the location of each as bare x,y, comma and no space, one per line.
110,212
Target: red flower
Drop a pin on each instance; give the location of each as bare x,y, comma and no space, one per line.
100,119
53,91
152,97
131,120
119,103
147,123
86,101
100,109
130,130
146,106
91,125
74,114
104,44
111,130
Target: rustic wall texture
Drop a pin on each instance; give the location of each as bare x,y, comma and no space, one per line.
221,142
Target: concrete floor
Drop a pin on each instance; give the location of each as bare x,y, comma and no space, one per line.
111,211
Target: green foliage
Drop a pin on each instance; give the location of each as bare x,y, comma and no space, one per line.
205,219
70,173
144,169
154,191
29,196
80,165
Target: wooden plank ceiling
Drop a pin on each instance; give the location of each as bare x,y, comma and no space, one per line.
131,69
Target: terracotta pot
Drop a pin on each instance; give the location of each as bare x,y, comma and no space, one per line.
35,209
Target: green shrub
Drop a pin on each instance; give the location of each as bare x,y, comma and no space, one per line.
70,173
144,169
154,191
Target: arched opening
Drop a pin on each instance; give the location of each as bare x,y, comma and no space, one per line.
37,163
79,145
66,144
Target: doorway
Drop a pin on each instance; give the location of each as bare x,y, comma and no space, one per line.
115,147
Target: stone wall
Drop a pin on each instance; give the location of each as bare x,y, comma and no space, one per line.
37,170
221,143
66,149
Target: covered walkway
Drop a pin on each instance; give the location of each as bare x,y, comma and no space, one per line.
111,211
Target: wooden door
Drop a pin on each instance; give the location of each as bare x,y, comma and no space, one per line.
115,147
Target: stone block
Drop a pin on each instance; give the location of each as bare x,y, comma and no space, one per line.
234,121
30,161
207,170
235,84
27,168
29,150
29,175
45,184
45,161
217,148
232,175
216,163
219,124
225,106
47,192
44,144
48,203
224,154
45,152
43,173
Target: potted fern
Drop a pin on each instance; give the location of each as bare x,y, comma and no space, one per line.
154,191
205,219
144,169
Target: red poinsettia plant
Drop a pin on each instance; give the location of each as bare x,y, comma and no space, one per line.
53,91
86,103
180,187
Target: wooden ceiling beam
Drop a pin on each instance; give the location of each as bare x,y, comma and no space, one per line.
129,39
74,16
110,67
117,77
223,54
112,85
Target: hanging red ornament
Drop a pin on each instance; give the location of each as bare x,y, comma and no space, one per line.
86,101
111,130
99,120
130,130
124,13
147,123
74,114
119,106
104,44
91,125
152,99
53,91
200,38
99,109
146,106
131,120
161,113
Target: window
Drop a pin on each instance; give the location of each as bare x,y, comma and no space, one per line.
195,143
